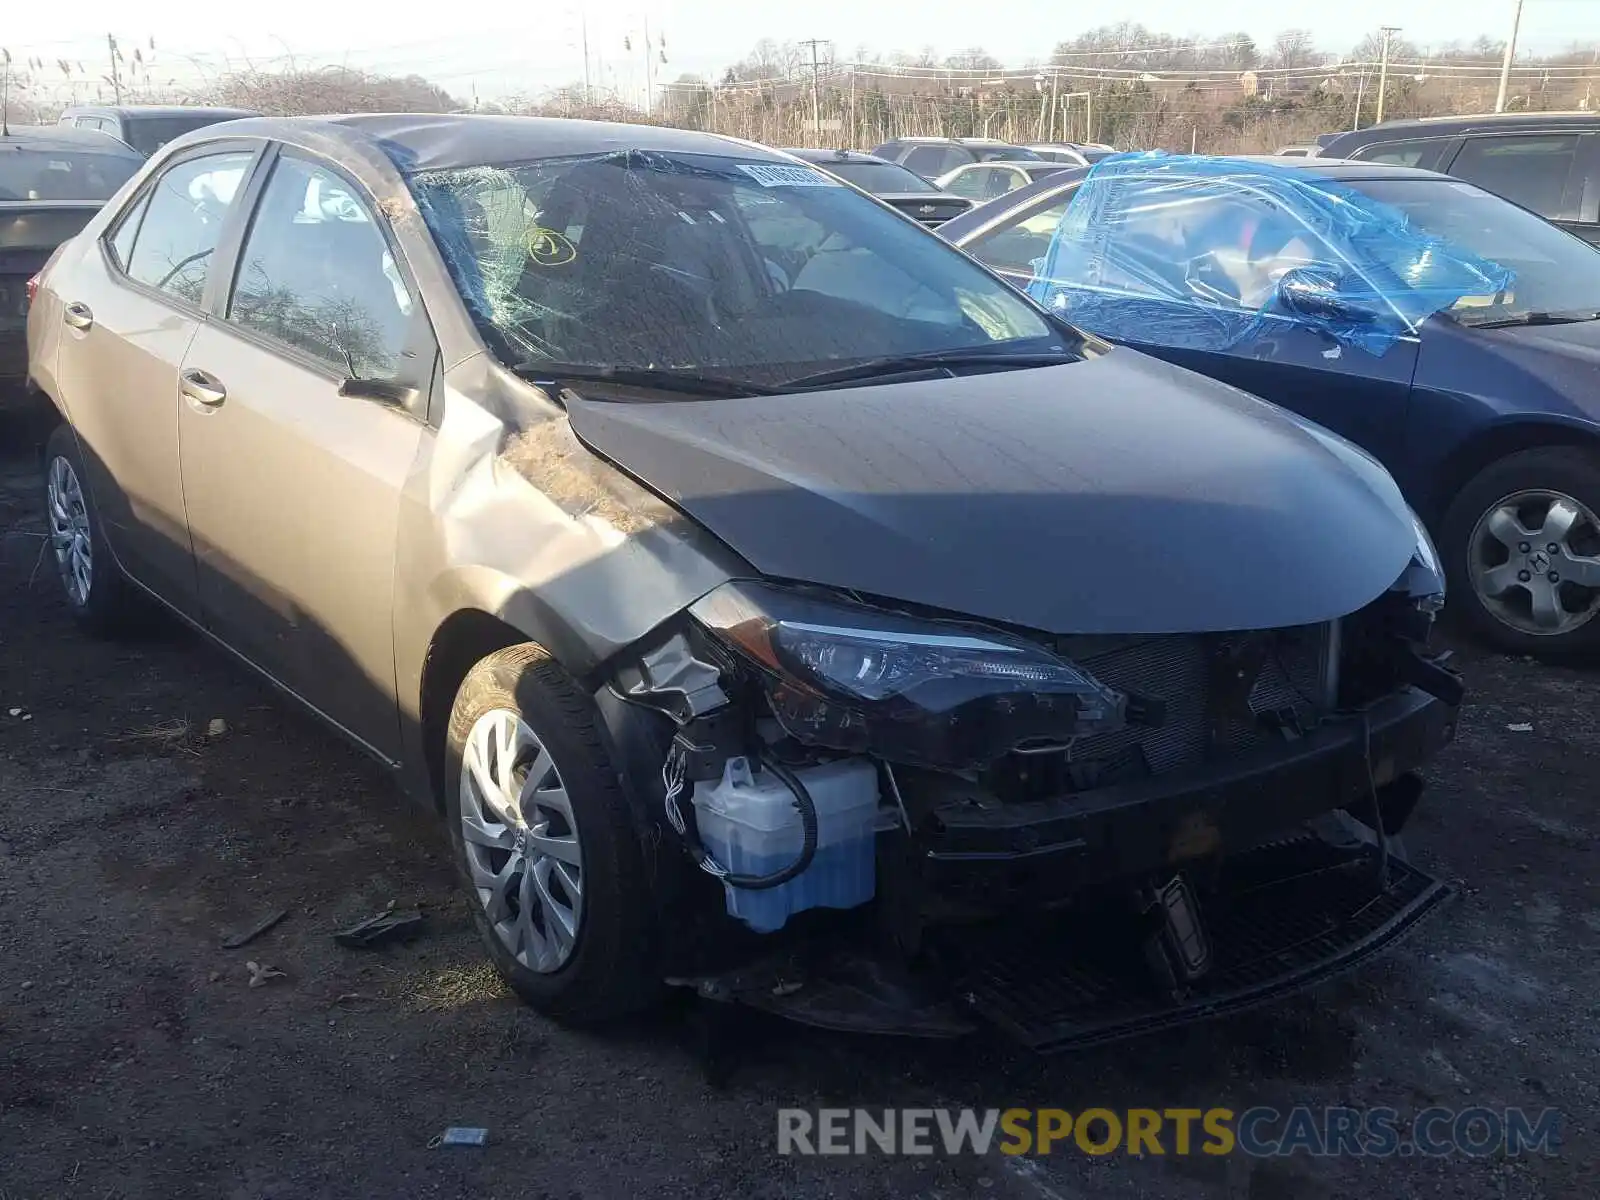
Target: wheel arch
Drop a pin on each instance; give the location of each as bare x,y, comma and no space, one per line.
1495,442
465,636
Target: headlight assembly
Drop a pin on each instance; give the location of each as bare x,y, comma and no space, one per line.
1423,579
859,679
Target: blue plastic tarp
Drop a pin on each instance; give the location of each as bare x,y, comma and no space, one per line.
1204,253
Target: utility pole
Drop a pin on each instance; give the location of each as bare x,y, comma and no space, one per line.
816,88
1511,53
583,34
649,67
1388,32
116,78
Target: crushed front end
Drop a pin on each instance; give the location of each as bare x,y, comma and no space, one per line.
910,824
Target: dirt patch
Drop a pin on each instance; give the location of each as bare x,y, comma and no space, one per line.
136,1062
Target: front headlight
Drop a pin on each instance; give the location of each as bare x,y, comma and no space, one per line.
855,678
1423,579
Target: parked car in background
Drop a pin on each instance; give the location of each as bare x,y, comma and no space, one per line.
982,182
1296,151
1546,162
890,182
932,157
52,180
710,547
147,127
1488,414
1074,154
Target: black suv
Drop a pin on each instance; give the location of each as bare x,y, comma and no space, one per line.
148,127
1546,162
931,157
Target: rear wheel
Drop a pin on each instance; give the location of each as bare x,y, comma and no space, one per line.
544,839
96,593
1522,546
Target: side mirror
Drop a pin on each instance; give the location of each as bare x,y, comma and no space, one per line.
381,391
1324,294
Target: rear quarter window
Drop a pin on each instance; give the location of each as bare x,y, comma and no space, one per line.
1421,152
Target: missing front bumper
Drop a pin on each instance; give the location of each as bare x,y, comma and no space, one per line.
1279,919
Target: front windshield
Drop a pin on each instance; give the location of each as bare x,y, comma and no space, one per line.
880,178
1554,271
56,174
760,272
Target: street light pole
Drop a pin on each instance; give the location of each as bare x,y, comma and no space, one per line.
1388,32
1505,64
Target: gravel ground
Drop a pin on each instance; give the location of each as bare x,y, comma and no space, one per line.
137,1062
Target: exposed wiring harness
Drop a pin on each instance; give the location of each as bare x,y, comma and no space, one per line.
673,775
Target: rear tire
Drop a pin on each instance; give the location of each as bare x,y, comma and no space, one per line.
97,593
1505,519
545,842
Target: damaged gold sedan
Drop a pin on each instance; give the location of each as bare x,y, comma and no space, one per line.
772,601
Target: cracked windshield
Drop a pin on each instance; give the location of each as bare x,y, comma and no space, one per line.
757,271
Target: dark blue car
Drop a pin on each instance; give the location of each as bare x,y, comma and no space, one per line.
1486,411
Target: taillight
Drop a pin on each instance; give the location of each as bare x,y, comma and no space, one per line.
32,288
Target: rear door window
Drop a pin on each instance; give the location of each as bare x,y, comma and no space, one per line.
933,161
183,221
1528,169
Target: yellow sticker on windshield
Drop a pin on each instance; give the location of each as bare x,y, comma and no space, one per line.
547,248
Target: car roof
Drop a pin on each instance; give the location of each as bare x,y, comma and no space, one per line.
945,141
1047,185
157,110
812,154
1349,170
1443,126
64,138
417,142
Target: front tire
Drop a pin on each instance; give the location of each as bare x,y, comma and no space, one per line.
544,840
92,583
1521,544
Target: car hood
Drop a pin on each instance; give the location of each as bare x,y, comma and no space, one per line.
1577,339
1115,495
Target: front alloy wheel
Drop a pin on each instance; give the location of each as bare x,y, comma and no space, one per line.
548,845
521,845
1535,562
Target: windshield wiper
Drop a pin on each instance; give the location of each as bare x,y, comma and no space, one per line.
666,379
901,364
1537,318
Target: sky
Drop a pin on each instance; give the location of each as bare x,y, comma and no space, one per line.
514,46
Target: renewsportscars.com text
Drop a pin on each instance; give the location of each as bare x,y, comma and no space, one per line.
1259,1132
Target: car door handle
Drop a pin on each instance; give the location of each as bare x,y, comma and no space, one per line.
77,315
202,388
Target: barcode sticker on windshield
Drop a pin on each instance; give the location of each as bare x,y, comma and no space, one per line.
781,175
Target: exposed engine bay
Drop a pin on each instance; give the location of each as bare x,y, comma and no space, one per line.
885,820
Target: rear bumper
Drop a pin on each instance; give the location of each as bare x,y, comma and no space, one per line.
1026,851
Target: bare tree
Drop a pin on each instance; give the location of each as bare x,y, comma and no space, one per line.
1293,48
327,90
975,58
